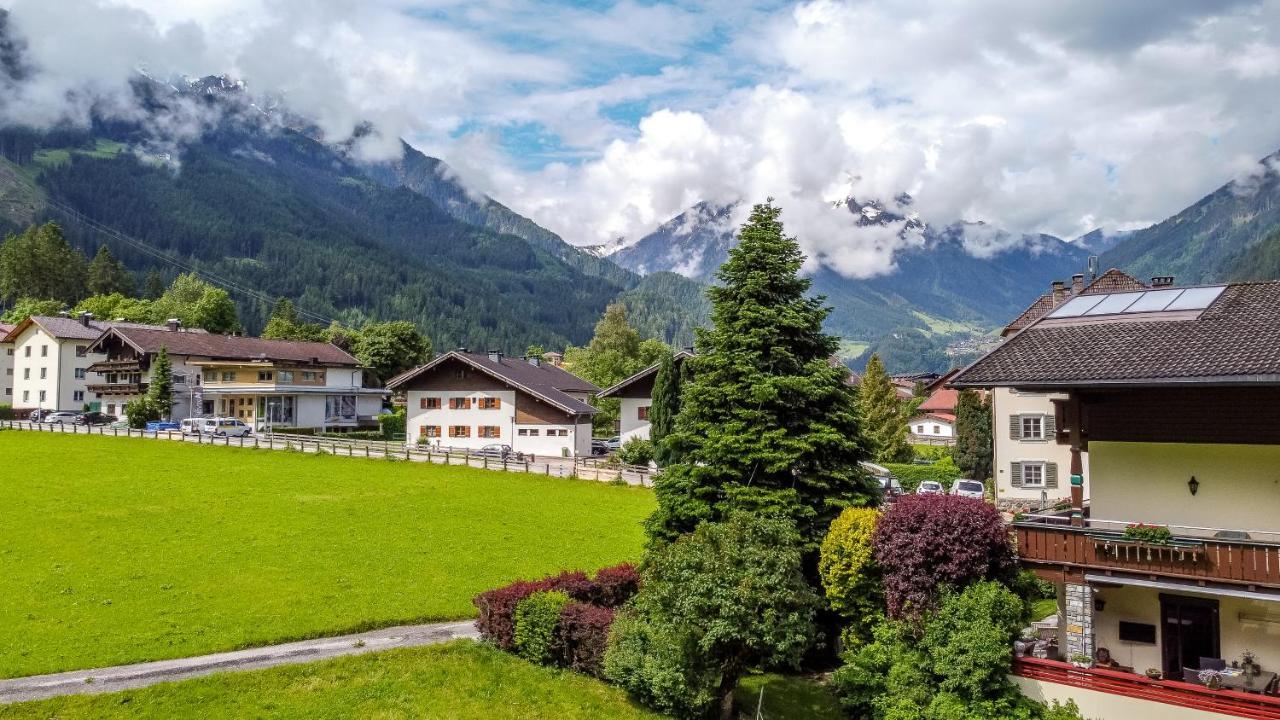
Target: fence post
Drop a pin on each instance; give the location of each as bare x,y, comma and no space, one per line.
255,442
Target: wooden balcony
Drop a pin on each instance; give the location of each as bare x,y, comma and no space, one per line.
1169,692
1099,547
118,388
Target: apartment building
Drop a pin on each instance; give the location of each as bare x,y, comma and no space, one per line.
469,400
1171,559
51,362
6,365
269,384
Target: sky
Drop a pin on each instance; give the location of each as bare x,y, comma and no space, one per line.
601,120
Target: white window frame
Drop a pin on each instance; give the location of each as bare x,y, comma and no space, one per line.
1041,466
1039,424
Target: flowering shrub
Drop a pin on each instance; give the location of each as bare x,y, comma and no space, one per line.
536,621
1150,534
582,637
924,541
614,586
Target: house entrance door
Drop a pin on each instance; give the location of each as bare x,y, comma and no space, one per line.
1189,632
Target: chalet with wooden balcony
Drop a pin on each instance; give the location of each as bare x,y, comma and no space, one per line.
270,384
1172,561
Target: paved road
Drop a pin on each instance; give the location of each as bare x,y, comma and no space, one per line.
123,677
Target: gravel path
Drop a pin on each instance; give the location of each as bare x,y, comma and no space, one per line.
122,677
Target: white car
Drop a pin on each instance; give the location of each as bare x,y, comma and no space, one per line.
930,487
221,427
59,418
969,488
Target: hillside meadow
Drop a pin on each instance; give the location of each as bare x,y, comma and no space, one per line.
119,550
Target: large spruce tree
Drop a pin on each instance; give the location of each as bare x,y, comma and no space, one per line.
160,391
40,263
767,422
884,416
107,275
665,407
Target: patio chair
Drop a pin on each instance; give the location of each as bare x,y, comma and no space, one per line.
1273,687
1207,663
1191,675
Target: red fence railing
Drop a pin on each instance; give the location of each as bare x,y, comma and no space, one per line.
1169,692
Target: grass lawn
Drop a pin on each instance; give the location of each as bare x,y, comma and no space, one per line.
787,698
117,550
461,680
1041,609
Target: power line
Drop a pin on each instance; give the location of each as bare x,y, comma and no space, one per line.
144,248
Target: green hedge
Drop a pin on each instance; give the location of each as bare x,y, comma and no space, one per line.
6,411
536,619
354,435
932,453
910,475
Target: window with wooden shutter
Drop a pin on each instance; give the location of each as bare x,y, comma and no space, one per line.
1015,427
459,403
1050,427
431,431
1015,473
490,403
422,403
1051,475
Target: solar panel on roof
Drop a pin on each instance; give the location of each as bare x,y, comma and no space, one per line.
1077,306
1153,301
1113,304
1196,298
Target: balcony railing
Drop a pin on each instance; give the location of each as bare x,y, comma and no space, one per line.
1169,692
118,388
1241,557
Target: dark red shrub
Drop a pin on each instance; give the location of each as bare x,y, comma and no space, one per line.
573,583
582,637
923,541
615,585
497,609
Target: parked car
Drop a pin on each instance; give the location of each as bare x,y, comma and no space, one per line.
598,447
969,488
930,487
890,488
94,417
59,418
500,450
191,426
222,427
613,444
35,415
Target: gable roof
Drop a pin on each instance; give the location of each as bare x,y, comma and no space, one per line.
944,417
63,328
5,329
1112,280
149,339
1235,340
641,375
544,381
943,400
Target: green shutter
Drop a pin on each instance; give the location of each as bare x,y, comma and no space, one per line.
1015,474
1015,427
1051,475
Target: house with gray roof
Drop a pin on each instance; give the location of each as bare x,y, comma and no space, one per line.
50,363
469,400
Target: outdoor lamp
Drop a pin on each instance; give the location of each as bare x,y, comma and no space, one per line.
1193,484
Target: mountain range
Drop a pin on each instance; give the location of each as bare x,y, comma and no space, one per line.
260,197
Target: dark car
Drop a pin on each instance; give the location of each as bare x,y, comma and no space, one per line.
94,418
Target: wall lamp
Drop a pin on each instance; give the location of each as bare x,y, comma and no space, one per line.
1193,484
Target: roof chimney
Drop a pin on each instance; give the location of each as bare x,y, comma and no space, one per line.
1093,268
1161,281
1059,292
173,324
495,355
64,313
463,349
85,317
534,360
1077,283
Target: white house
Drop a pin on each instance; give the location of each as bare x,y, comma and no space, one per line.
935,428
635,395
270,384
51,361
468,400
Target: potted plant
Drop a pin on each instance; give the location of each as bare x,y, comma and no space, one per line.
1211,679
1148,534
1082,661
1249,663
1154,673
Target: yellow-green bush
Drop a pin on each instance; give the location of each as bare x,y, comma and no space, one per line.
849,573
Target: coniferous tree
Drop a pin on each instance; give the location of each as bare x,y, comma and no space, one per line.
766,422
160,391
283,321
106,275
665,407
883,417
40,263
973,449
154,286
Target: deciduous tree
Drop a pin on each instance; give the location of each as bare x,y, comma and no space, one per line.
390,348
